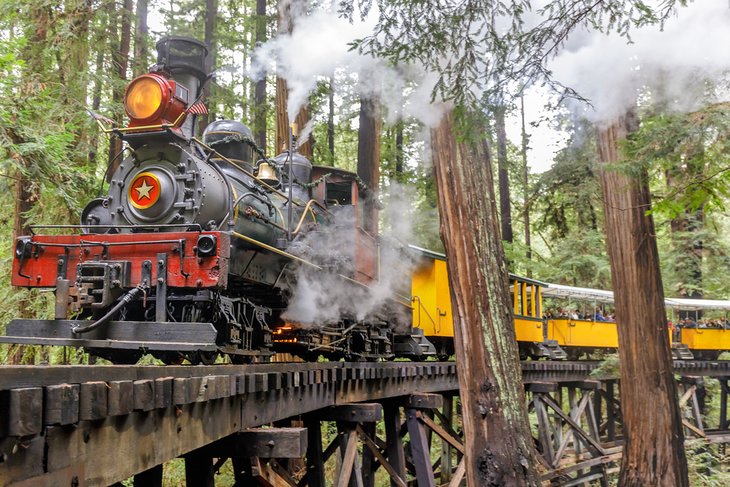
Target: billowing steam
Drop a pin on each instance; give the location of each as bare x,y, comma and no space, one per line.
320,46
670,66
326,296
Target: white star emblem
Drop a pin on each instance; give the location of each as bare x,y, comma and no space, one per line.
143,191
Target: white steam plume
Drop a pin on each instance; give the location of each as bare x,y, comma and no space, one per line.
320,44
323,297
670,65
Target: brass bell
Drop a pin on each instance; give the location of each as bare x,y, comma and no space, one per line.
267,174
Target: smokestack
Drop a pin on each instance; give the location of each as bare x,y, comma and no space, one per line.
184,58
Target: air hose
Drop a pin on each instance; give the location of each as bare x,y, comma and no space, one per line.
124,300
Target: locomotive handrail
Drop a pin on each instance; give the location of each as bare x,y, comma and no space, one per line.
421,306
81,227
122,130
88,243
275,250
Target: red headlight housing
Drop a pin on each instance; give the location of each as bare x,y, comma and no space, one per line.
151,100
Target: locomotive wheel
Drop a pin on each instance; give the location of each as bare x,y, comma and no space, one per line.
170,358
204,358
241,359
120,357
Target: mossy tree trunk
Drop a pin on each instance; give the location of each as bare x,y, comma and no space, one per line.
498,443
654,440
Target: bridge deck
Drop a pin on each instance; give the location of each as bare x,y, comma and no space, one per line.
106,423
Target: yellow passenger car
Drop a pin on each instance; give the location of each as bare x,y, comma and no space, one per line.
431,301
539,335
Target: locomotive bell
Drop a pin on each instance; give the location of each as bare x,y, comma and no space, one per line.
267,174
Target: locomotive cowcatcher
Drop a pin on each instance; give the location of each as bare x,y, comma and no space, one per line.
195,248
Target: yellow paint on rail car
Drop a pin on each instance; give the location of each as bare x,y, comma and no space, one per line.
432,303
583,333
432,299
528,330
706,338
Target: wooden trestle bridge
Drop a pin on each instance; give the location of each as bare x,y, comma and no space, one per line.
100,425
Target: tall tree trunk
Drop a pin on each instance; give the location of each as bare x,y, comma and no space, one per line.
654,449
304,147
120,62
211,15
504,196
498,443
40,22
106,30
286,25
141,31
75,55
525,188
331,119
368,157
260,105
686,231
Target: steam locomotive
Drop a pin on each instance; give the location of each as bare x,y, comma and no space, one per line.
198,246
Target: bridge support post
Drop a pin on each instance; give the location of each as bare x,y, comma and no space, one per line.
611,413
394,448
315,460
199,469
724,391
416,408
447,421
149,478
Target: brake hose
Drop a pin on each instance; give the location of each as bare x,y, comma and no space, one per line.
124,300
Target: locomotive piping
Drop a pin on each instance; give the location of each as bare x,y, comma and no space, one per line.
275,250
110,314
262,183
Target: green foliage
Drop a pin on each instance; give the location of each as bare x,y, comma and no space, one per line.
609,367
478,49
691,153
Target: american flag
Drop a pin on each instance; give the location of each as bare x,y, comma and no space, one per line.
198,109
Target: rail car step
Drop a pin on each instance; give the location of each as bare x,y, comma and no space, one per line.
415,345
121,335
680,351
551,350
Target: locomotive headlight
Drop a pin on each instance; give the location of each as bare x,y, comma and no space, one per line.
207,245
145,97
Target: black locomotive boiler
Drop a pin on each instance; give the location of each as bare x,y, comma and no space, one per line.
197,246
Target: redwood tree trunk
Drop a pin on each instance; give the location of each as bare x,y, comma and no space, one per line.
120,61
504,196
526,187
368,157
286,24
654,449
141,32
211,15
331,120
260,105
498,443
